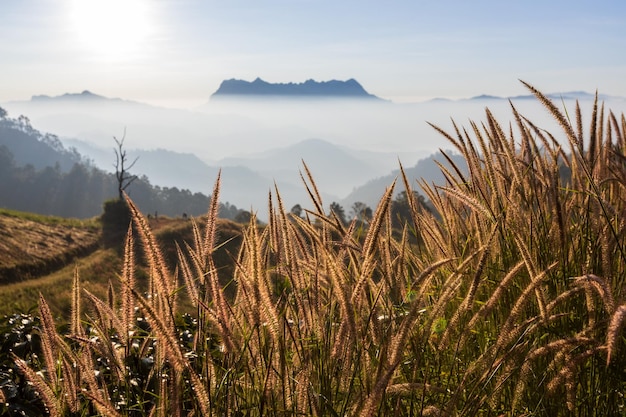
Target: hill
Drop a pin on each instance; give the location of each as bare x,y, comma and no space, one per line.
34,245
425,169
247,178
310,89
40,254
336,170
74,97
31,147
38,174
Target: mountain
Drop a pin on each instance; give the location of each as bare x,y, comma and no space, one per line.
426,169
97,119
30,147
163,167
310,89
242,185
38,174
569,95
486,97
84,96
335,169
258,143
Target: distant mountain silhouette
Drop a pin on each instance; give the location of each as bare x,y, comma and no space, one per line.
324,159
310,88
85,95
242,184
84,98
567,95
486,97
426,169
267,139
39,174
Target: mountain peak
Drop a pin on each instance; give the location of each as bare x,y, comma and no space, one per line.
309,89
85,95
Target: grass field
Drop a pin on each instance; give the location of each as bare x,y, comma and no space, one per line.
508,301
32,245
27,269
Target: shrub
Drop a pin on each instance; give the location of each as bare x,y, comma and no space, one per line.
115,221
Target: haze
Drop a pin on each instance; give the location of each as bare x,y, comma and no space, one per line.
162,60
175,53
257,142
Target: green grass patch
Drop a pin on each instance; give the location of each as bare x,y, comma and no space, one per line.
92,223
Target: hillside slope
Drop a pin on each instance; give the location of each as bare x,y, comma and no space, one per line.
40,255
32,245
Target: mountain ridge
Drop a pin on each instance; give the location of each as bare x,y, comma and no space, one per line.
425,169
310,89
359,92
84,95
324,159
565,95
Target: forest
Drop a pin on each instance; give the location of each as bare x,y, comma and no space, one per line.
39,175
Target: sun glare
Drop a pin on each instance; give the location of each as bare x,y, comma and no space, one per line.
111,30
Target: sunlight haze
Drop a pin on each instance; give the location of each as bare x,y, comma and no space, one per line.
88,71
176,53
111,30
313,208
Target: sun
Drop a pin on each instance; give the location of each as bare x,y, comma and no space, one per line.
111,30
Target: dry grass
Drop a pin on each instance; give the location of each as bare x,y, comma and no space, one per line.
33,245
481,317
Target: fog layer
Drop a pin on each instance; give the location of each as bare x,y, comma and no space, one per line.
355,141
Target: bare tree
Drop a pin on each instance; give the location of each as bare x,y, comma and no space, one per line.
124,178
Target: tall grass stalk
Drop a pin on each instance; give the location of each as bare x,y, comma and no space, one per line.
508,300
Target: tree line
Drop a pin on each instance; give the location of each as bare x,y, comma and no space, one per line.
362,213
71,186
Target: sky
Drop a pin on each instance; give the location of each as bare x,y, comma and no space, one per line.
175,53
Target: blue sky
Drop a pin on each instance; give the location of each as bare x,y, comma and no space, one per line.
176,52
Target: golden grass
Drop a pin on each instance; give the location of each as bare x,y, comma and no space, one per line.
94,270
513,292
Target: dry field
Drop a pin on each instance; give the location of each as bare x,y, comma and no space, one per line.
32,245
507,301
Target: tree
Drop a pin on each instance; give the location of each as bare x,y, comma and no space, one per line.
361,211
297,210
401,208
124,178
228,211
115,220
76,196
3,113
243,216
116,216
23,124
339,212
